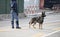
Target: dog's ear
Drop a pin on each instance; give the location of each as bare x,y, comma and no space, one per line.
43,14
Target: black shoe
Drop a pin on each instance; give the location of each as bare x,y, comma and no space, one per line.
18,27
12,27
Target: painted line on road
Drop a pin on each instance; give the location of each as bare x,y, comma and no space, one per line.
57,29
4,30
40,34
7,29
50,33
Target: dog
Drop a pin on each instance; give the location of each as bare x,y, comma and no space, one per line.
39,20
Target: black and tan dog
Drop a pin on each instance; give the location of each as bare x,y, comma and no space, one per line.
39,20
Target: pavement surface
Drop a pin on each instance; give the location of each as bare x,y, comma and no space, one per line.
51,26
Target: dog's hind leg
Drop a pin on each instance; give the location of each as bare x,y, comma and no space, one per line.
30,23
41,26
34,25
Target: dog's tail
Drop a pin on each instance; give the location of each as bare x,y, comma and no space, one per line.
29,24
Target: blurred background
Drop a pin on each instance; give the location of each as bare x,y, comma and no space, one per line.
28,7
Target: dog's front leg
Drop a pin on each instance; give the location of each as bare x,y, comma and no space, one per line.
34,26
40,26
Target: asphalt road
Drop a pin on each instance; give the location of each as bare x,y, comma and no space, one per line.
51,24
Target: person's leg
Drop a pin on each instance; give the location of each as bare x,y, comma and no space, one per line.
12,22
17,22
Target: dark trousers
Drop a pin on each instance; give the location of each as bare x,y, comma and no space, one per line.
14,16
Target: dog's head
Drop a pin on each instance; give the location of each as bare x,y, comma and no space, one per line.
43,14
